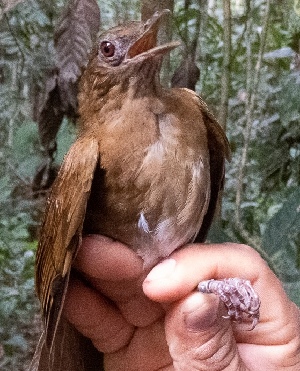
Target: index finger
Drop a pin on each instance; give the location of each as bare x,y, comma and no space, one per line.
103,258
178,276
183,270
113,270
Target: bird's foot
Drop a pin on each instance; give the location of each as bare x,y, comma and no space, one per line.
238,296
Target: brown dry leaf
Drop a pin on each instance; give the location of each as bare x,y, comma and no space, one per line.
73,38
74,35
186,75
50,113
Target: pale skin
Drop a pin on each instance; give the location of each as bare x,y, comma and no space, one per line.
160,322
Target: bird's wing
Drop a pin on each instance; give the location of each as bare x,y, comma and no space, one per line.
219,150
62,227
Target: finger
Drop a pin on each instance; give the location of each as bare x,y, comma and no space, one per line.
176,277
106,259
199,337
117,272
95,318
194,263
148,350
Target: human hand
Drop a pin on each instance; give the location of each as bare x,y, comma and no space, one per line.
161,323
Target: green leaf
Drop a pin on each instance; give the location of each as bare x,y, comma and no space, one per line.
284,226
18,341
281,241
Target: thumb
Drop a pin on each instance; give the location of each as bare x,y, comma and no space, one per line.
199,337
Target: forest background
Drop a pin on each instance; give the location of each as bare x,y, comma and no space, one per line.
248,53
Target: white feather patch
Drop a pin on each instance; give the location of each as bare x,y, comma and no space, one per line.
143,224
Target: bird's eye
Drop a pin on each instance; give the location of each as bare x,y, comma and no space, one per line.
107,49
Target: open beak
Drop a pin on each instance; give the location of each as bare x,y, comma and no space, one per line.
146,45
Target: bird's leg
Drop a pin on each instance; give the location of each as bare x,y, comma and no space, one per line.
238,296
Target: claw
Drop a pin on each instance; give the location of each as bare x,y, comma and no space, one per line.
238,296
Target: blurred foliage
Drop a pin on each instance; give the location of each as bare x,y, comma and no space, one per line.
20,215
271,195
17,220
19,323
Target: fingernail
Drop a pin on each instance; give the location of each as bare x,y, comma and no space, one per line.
162,270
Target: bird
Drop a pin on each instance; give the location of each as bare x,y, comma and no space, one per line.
146,169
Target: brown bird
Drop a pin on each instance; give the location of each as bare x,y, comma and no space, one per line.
146,169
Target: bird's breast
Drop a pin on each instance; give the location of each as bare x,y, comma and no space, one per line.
151,190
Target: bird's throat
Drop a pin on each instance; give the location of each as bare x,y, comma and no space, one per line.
103,95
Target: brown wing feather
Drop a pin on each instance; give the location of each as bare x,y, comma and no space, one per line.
219,150
71,351
61,229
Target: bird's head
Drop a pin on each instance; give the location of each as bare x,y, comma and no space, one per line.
133,43
125,60
122,51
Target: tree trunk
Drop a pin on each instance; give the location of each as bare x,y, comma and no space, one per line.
252,92
148,7
188,73
226,78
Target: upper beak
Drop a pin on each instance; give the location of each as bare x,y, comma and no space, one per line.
146,45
